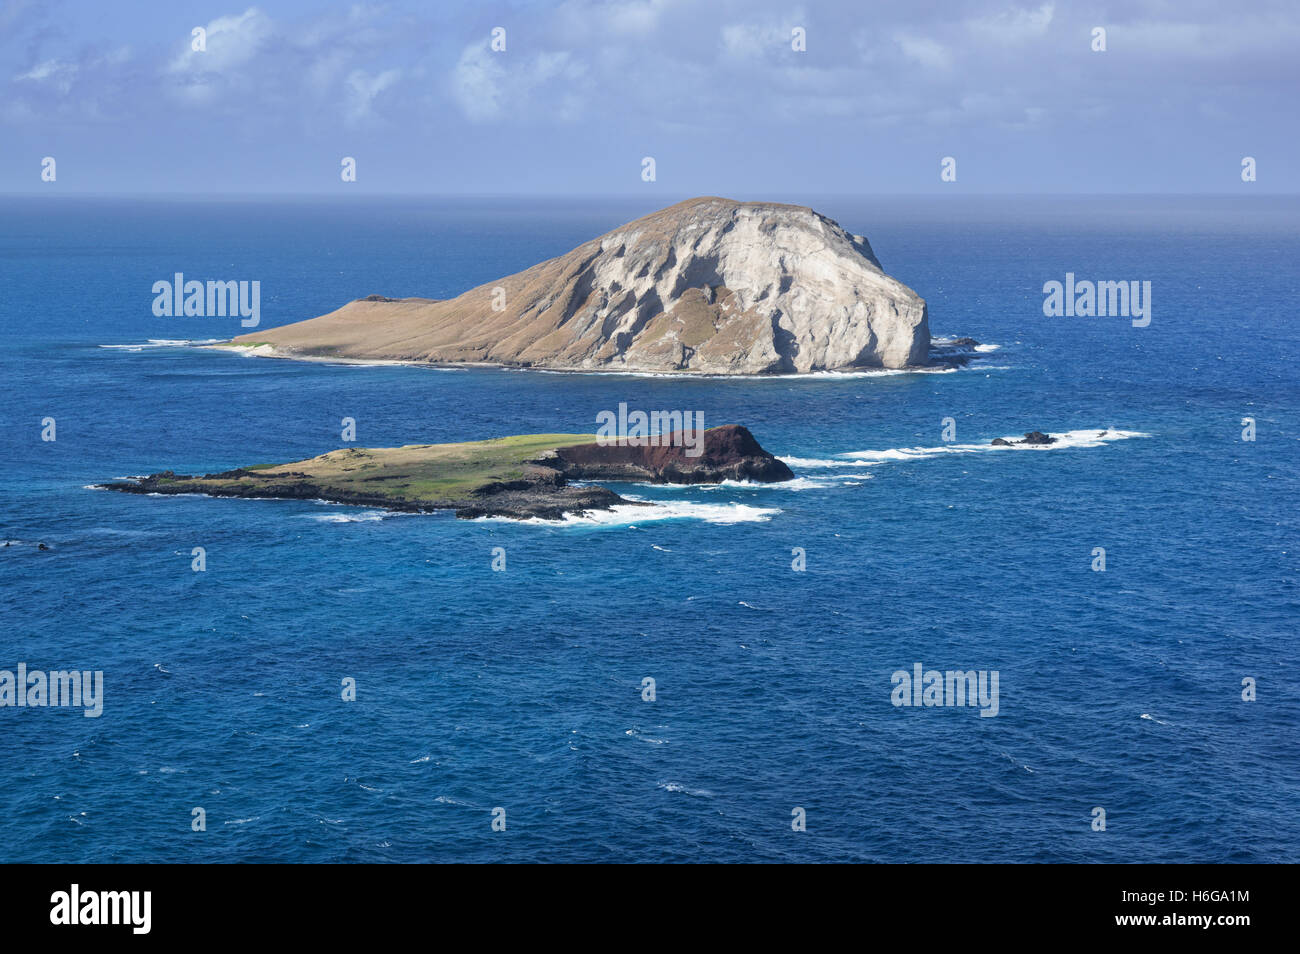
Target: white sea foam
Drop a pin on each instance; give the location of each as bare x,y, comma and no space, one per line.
637,734
448,800
678,787
163,343
623,515
799,483
361,516
820,482
813,462
254,351
799,376
1091,437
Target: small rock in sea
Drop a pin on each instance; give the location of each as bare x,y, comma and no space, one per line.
1031,437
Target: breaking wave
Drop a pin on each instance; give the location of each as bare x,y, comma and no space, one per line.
361,516
797,376
821,482
1066,440
164,343
629,515
813,462
678,787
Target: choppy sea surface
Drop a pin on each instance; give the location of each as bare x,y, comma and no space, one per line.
522,689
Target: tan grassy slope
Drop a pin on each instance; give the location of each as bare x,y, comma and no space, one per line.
708,285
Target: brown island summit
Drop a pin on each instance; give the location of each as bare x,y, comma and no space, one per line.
524,477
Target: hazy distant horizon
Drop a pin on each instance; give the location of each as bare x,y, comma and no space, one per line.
662,199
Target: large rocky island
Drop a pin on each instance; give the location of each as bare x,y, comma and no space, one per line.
709,285
523,477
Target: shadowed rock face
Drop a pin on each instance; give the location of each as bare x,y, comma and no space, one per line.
729,453
708,285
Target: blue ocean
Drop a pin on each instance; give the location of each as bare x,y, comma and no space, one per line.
1121,689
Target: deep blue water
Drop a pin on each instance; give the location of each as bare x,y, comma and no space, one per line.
521,689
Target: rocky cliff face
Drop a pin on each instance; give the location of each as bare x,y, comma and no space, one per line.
708,285
729,452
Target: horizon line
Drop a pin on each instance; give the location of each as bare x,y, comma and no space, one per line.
622,195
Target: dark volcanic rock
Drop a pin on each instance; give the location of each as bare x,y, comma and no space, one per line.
542,494
167,482
729,453
954,352
1031,437
541,499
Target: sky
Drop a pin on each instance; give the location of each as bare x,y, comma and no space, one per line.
716,92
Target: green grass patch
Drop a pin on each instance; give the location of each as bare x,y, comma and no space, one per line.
413,473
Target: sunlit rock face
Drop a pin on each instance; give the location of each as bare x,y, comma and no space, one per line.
709,286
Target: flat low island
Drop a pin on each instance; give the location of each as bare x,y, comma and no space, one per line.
525,476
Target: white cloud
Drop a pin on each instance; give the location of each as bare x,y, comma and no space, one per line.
662,65
635,16
476,83
1243,35
1013,26
489,86
638,18
57,73
753,40
362,88
231,41
929,53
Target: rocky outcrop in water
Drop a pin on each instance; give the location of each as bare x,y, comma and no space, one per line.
1031,437
484,478
708,285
